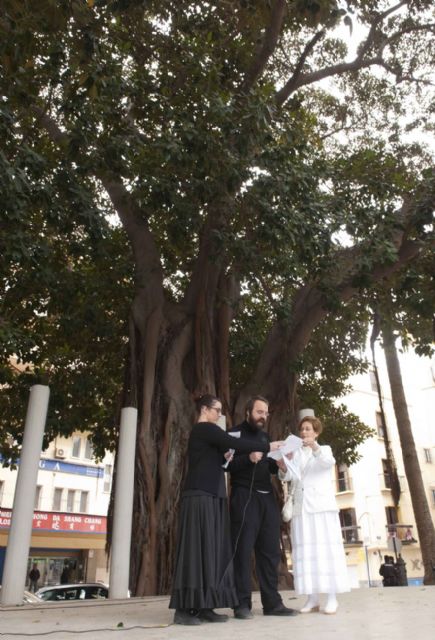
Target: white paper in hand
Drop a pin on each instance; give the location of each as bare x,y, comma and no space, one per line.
291,443
234,434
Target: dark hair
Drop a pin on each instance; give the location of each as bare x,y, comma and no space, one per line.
207,400
315,423
252,401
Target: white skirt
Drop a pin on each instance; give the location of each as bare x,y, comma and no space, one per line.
319,563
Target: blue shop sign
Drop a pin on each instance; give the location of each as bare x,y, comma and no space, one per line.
68,467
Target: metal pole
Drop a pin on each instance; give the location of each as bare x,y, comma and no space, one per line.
368,565
394,545
20,532
123,509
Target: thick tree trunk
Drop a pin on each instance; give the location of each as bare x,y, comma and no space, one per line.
166,413
179,352
165,418
420,505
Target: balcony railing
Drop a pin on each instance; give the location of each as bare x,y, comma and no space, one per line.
351,535
404,532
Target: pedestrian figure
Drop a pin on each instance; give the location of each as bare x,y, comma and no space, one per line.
388,572
34,576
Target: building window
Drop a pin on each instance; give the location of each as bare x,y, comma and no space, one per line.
38,492
2,486
427,455
107,478
392,518
432,492
70,500
76,448
84,501
380,425
343,480
89,452
57,499
386,474
373,382
77,501
349,526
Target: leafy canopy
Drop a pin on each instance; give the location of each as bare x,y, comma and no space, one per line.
293,148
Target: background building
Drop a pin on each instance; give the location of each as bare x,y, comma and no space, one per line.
70,518
372,525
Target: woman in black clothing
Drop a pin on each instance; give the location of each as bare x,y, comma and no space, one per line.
204,576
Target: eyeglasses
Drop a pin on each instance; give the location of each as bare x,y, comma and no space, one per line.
217,409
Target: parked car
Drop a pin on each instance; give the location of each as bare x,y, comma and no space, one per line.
79,591
29,597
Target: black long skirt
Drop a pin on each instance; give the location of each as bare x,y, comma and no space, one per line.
204,576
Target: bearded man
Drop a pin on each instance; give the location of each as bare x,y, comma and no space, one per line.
255,518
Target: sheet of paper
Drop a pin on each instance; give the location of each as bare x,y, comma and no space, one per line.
234,434
291,443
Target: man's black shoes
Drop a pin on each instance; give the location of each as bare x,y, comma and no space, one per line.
243,613
280,610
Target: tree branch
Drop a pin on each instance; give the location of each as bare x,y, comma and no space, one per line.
287,339
376,21
268,46
333,70
210,261
146,255
300,64
300,79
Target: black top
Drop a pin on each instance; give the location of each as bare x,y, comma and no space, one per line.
207,444
241,467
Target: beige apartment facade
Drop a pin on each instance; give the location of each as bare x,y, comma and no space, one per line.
70,517
373,526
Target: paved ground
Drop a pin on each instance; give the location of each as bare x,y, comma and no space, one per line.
396,613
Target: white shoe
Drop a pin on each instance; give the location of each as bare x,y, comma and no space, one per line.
312,609
331,606
311,605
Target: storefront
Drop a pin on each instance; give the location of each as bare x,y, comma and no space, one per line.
62,541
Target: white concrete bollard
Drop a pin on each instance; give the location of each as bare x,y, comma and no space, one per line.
20,532
123,506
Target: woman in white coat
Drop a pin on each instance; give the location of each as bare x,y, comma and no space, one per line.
319,564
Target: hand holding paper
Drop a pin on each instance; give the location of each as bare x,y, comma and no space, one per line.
235,434
291,444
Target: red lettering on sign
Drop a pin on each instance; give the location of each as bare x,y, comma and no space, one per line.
48,521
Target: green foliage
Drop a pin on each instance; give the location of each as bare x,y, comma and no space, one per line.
152,94
344,431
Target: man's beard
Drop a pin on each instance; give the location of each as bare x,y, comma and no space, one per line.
256,425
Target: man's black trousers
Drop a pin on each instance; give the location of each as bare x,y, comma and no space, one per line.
259,533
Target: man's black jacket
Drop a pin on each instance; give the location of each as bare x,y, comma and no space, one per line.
241,468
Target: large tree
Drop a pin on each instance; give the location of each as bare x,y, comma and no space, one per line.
258,173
